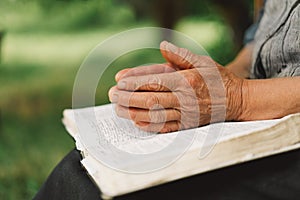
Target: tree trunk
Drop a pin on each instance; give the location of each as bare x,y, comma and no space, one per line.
167,13
236,14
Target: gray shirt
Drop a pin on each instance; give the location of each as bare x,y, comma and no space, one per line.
277,41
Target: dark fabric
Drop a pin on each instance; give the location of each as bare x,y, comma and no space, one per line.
68,181
275,177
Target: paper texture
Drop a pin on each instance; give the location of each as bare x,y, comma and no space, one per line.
98,131
122,134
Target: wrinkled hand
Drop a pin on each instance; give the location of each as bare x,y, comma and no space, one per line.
188,91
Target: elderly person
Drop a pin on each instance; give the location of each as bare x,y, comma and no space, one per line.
273,70
271,60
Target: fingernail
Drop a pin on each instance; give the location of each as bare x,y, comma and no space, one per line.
170,47
122,85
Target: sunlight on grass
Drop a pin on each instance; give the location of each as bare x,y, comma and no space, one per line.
205,33
35,61
52,50
65,50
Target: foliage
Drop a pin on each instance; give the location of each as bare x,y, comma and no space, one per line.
42,51
64,15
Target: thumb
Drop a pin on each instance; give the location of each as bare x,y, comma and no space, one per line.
180,58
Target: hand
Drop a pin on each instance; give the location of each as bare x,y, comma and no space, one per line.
176,61
160,99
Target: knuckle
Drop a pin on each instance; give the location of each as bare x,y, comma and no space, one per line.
183,52
190,78
133,114
154,87
120,112
154,83
206,61
117,110
154,79
157,117
188,57
193,79
146,128
179,126
152,101
166,129
136,85
185,125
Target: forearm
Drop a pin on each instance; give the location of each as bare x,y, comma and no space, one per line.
270,98
241,65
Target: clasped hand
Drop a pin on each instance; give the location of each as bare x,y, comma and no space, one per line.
180,94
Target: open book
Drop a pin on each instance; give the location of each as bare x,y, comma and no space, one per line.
121,159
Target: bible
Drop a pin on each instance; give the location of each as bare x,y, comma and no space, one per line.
121,159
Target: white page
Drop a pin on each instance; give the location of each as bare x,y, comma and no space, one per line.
124,136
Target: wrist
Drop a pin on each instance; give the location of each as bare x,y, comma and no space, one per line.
238,100
244,109
268,99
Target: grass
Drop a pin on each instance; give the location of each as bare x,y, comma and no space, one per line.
35,88
36,79
29,150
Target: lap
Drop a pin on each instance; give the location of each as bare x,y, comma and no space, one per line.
275,177
68,181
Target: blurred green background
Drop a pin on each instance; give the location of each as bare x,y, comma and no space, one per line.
42,45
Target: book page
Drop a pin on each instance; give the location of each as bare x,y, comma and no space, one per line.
235,129
98,133
104,132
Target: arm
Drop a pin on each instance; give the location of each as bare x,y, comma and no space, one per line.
270,98
241,65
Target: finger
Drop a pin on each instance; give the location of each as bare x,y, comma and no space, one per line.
147,100
153,82
180,57
159,127
122,73
113,94
151,116
183,58
144,70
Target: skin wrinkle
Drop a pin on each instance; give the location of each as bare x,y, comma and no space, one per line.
159,127
156,116
185,91
134,84
234,97
155,69
188,89
188,103
154,83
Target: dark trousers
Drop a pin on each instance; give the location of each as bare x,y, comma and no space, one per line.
275,177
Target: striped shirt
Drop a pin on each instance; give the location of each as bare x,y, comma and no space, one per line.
277,41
